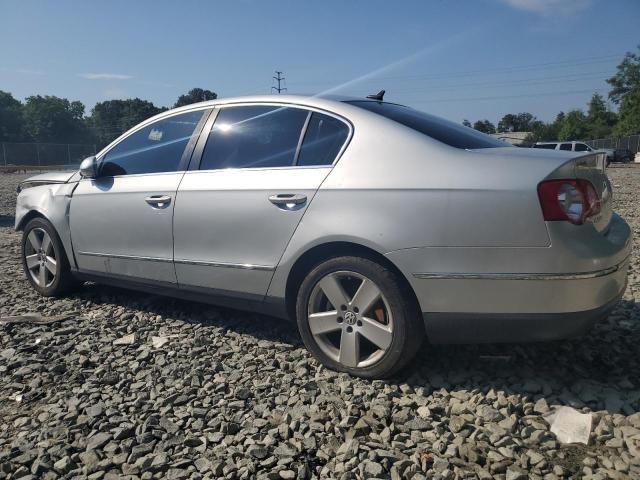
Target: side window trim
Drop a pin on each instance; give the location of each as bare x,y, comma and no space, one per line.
303,132
181,165
196,157
191,144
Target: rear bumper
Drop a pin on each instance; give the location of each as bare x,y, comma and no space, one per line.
520,294
556,307
517,327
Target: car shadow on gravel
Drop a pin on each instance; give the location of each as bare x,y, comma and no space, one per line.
262,327
7,221
598,369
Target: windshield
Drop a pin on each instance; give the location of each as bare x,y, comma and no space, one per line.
444,131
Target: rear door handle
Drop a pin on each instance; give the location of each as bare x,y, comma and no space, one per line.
288,200
158,201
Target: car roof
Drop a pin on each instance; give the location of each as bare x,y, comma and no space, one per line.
320,101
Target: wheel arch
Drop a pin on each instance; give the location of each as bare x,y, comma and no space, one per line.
30,215
324,251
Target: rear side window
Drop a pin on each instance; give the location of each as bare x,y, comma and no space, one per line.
548,146
565,146
442,130
253,137
581,147
158,147
323,140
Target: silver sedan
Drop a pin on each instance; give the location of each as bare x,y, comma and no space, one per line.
371,224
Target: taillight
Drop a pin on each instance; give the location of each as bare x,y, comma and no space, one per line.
572,200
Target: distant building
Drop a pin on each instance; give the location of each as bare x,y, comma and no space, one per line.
514,138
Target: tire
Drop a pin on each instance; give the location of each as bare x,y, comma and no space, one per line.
51,253
384,338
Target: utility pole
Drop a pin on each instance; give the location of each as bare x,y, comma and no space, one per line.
278,78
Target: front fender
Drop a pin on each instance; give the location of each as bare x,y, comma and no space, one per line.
51,202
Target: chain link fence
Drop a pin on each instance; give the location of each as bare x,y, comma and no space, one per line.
33,155
630,143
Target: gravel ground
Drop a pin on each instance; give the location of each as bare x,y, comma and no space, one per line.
236,395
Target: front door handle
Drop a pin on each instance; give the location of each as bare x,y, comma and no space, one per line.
288,200
158,201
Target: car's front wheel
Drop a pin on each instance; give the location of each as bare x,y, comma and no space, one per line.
44,260
357,316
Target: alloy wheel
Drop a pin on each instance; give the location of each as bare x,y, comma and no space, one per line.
40,257
350,319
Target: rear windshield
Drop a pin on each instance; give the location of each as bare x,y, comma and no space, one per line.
451,133
548,146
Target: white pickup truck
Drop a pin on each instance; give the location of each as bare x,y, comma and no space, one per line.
577,147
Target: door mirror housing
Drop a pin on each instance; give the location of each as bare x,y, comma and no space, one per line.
89,167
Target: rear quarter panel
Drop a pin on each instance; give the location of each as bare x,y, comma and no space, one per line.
396,189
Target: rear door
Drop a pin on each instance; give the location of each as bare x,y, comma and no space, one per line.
121,221
257,170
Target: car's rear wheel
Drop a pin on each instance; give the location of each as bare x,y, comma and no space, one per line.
356,316
44,260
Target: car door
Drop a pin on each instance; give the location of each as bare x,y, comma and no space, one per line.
565,146
581,147
121,221
259,168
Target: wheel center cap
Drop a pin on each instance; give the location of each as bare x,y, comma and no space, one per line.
350,318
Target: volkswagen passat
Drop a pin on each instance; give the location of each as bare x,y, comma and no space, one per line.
369,223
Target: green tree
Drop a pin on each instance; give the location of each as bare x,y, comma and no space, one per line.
629,114
466,123
601,121
111,118
574,126
195,95
521,122
484,126
11,122
626,79
54,119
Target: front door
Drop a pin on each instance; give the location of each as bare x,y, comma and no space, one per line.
121,221
260,168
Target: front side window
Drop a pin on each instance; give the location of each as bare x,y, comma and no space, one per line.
437,128
323,140
581,147
565,146
256,136
158,147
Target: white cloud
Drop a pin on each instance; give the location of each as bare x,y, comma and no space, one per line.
105,76
29,71
550,7
22,71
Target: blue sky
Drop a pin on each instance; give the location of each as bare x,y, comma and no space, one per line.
458,59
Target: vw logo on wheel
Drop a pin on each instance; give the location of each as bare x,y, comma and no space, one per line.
350,318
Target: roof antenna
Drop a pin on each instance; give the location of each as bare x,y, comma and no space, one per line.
378,96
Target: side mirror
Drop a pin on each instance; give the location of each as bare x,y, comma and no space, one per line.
89,167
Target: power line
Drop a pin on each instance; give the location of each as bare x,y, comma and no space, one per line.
500,97
279,78
457,74
508,83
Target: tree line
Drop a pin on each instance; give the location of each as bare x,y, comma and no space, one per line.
51,119
596,122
